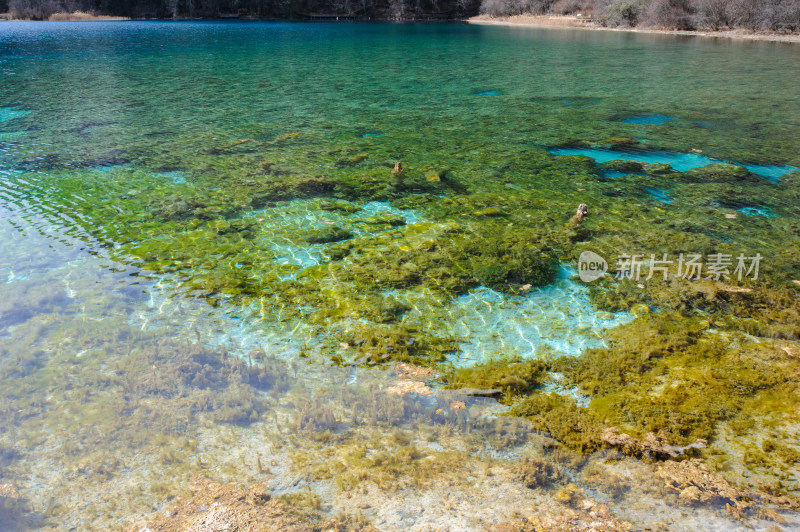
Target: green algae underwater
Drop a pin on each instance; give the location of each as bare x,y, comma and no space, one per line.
214,269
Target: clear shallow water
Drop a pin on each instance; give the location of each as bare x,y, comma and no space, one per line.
137,269
678,161
554,320
655,120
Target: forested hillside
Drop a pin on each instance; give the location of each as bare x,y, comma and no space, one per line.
760,15
374,9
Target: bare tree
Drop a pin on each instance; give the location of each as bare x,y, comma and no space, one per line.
712,14
671,14
566,7
780,15
620,12
34,9
744,13
501,8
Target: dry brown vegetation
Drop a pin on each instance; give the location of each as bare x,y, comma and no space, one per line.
81,16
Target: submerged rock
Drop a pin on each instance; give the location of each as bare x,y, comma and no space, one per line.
651,446
719,173
404,387
408,371
620,143
391,220
352,161
489,211
512,376
8,491
657,169
624,166
328,235
696,484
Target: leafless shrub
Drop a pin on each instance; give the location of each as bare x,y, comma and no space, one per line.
620,12
34,9
670,14
506,8
744,13
770,15
712,14
780,15
567,7
494,8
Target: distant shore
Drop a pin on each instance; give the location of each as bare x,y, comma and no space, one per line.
75,16
552,21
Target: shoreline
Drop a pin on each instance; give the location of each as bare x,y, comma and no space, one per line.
572,23
529,21
77,16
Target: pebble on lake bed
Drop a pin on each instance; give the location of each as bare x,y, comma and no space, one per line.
8,491
407,371
406,387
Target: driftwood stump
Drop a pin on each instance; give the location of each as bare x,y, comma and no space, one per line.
583,212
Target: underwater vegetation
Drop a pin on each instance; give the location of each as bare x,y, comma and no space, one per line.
682,370
345,253
278,249
534,472
507,379
211,504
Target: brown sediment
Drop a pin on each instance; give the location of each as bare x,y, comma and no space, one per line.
8,491
213,506
569,22
696,484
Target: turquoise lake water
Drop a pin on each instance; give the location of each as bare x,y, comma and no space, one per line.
209,263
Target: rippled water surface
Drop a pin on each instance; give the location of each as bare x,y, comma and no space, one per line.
212,268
